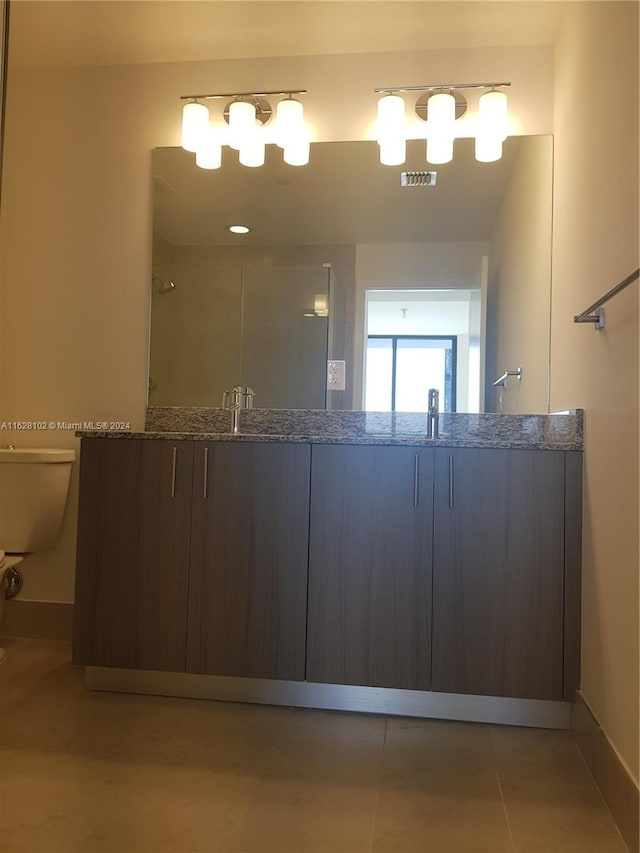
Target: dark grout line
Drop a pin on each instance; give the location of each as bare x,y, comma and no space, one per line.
506,813
597,787
259,778
374,817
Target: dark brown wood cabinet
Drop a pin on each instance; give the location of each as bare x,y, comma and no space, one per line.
498,572
192,556
133,554
369,617
423,568
249,551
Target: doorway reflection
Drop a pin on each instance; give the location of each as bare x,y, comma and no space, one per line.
420,339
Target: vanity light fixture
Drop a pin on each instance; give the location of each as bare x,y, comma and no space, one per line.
239,229
246,114
440,106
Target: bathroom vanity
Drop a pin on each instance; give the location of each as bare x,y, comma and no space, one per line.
348,568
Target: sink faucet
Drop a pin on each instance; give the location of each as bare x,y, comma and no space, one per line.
432,413
240,397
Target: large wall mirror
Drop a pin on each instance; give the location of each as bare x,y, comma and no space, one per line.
445,284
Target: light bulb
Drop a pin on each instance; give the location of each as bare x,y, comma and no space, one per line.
289,121
441,116
441,112
390,130
439,149
493,114
209,153
493,126
195,121
296,152
390,118
242,122
393,152
252,150
488,148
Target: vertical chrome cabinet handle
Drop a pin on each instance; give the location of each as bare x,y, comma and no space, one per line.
205,481
174,463
416,479
451,482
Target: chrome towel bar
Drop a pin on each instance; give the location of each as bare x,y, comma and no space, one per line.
502,380
595,313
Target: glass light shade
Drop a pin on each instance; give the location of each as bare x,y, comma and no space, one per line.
441,116
390,118
439,149
393,152
493,126
493,115
296,152
195,121
209,153
252,150
441,113
289,121
488,148
242,122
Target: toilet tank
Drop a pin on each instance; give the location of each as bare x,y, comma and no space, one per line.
34,482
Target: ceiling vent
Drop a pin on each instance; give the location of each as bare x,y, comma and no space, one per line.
418,179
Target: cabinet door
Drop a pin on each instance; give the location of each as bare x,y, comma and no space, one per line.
133,552
370,566
498,572
248,582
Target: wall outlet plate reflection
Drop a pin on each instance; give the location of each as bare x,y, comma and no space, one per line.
336,371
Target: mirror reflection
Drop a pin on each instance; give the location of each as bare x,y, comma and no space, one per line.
398,288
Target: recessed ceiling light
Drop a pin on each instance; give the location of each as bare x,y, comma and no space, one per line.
238,229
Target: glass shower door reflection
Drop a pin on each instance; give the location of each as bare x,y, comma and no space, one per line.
285,328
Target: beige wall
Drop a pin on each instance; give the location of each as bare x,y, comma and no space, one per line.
596,245
519,294
77,210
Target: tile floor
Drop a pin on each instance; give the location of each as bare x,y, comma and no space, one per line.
98,772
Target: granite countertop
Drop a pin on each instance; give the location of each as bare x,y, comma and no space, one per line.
397,440
536,432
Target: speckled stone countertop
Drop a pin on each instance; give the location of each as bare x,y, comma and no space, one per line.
562,431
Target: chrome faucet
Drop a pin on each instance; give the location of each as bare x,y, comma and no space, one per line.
240,397
432,413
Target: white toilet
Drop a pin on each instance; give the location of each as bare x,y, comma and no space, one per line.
34,483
